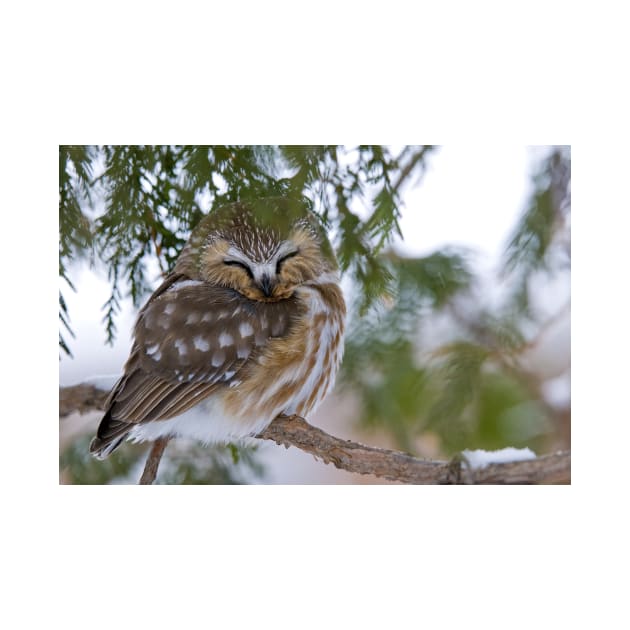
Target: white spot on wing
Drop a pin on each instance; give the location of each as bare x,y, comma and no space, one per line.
201,344
218,358
169,309
246,330
225,339
180,344
193,318
154,352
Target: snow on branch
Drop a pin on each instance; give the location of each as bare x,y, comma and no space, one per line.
358,458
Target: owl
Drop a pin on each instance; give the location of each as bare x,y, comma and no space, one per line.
247,326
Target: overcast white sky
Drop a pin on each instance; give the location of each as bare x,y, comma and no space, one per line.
471,196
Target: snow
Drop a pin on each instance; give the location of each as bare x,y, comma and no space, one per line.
480,458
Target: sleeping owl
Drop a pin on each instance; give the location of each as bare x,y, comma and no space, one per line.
247,326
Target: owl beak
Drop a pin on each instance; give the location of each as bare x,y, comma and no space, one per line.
267,285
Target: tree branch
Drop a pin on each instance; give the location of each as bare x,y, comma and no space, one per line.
399,466
153,461
358,458
81,398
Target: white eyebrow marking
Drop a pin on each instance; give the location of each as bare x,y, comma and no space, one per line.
239,255
201,344
225,339
246,330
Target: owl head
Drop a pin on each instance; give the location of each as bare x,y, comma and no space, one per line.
263,249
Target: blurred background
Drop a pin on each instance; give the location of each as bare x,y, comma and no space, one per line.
456,266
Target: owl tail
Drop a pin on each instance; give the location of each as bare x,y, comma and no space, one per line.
109,436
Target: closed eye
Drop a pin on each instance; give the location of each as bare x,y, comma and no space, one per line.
281,260
236,263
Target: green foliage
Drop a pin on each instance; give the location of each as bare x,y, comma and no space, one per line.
381,359
152,197
426,355
506,413
419,285
459,376
468,389
187,462
530,245
79,467
432,281
75,234
63,318
183,463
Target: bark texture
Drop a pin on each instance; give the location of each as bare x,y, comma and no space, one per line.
393,465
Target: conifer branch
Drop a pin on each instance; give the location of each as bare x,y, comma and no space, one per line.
358,458
406,171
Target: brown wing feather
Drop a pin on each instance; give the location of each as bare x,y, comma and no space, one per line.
190,339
